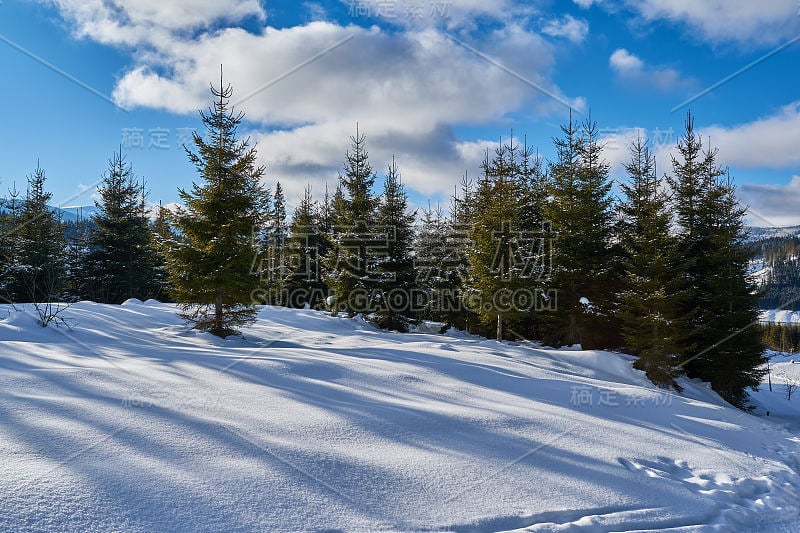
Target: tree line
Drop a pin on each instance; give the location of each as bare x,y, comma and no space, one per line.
781,285
530,249
783,338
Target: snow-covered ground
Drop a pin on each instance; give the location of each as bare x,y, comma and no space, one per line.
310,423
784,373
781,316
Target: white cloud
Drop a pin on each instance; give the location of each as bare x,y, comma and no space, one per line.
616,142
120,22
450,14
767,142
772,205
568,27
772,141
624,62
631,68
404,87
747,22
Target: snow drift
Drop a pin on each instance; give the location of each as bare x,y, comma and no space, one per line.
132,422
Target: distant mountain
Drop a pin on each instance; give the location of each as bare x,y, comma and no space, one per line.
72,214
68,214
776,266
759,233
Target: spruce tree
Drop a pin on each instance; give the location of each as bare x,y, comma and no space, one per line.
36,272
303,286
435,281
652,325
9,214
274,267
454,296
496,268
350,263
584,262
162,239
77,234
210,265
395,270
119,264
730,352
724,345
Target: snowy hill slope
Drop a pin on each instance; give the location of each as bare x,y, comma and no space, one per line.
312,423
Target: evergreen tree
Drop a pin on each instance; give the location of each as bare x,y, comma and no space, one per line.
395,270
120,264
35,272
687,183
584,261
724,347
349,265
274,262
495,223
304,287
162,239
652,327
210,265
77,235
9,217
506,257
731,352
454,296
433,261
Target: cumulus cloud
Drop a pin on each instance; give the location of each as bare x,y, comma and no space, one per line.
119,22
568,27
772,205
718,21
728,20
630,68
405,88
585,4
450,14
771,142
624,62
400,86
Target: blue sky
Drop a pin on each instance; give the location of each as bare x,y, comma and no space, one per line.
434,82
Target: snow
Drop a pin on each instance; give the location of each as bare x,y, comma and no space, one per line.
130,421
781,316
783,368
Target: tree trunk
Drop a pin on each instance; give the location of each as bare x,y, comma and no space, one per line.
499,328
218,315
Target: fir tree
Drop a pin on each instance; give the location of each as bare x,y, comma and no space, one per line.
436,264
730,351
162,239
652,327
77,235
349,265
119,264
454,297
276,234
395,270
724,347
304,287
9,219
584,262
210,266
496,265
35,272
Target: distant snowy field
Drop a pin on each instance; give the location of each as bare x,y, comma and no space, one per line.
131,422
781,316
